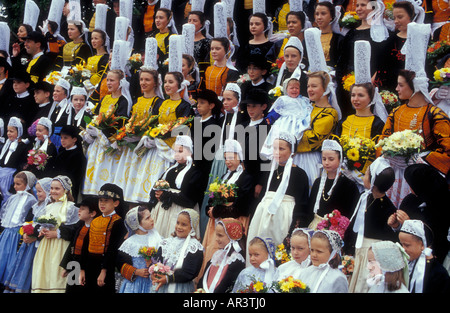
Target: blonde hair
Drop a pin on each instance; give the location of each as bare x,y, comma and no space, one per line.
322,75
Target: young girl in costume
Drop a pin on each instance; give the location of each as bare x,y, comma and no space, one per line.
227,262
12,216
44,130
47,274
388,268
19,277
183,253
299,246
323,276
133,266
261,252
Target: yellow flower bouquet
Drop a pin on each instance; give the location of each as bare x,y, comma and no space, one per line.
275,92
220,192
255,286
281,255
441,77
291,285
350,20
135,62
357,151
348,81
390,100
77,74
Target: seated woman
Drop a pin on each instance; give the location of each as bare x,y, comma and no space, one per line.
77,50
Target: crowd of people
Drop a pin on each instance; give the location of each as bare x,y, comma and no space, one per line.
225,146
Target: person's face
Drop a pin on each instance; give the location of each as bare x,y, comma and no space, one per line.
232,160
363,8
413,245
221,237
20,86
59,93
96,40
403,90
21,32
73,32
256,111
281,151
185,69
360,98
255,73
229,100
315,89
322,16
32,47
320,251
11,133
195,20
67,141
204,107
372,265
330,161
41,131
183,226
257,254
40,193
181,154
107,205
84,214
217,50
299,248
116,7
78,102
401,19
292,58
294,25
161,20
41,96
112,82
293,89
19,184
171,85
147,221
146,82
56,190
256,25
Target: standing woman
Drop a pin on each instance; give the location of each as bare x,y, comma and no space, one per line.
115,96
149,102
202,44
47,274
163,19
98,63
284,203
77,50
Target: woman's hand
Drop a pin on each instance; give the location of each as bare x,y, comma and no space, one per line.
158,194
159,280
28,239
49,234
142,272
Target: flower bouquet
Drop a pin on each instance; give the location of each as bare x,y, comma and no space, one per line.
107,122
255,286
281,255
163,131
275,92
135,62
161,185
28,229
348,265
276,66
405,144
441,77
291,285
242,79
437,50
350,20
160,269
77,74
53,77
47,221
348,81
220,193
149,254
37,158
334,221
357,151
390,100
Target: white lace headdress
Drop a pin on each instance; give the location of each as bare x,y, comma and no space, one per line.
101,11
296,43
189,36
5,37
296,5
79,116
74,11
31,14
415,51
362,57
151,62
317,62
119,59
391,257
55,11
220,20
378,30
167,4
121,28
11,146
259,6
184,141
197,5
126,10
176,43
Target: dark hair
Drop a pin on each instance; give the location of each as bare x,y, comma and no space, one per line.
368,87
200,15
224,41
385,179
330,7
407,6
53,26
166,11
152,72
28,28
178,76
300,16
141,209
79,26
102,33
191,62
408,76
92,203
264,18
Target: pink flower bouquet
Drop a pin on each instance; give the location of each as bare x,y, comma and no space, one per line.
334,221
37,158
160,269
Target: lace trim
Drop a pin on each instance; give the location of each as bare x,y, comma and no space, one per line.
171,248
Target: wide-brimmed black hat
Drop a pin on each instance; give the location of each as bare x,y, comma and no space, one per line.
43,85
256,96
22,75
4,63
37,37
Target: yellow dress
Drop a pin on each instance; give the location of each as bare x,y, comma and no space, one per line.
143,106
96,72
358,126
106,102
160,38
46,275
167,112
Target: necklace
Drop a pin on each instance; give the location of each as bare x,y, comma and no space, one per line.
356,131
323,196
279,174
413,123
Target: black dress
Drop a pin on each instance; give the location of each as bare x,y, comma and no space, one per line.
436,278
250,51
394,61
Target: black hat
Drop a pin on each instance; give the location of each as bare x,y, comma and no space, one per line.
45,86
111,191
70,130
37,37
22,76
4,63
256,96
259,61
211,97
